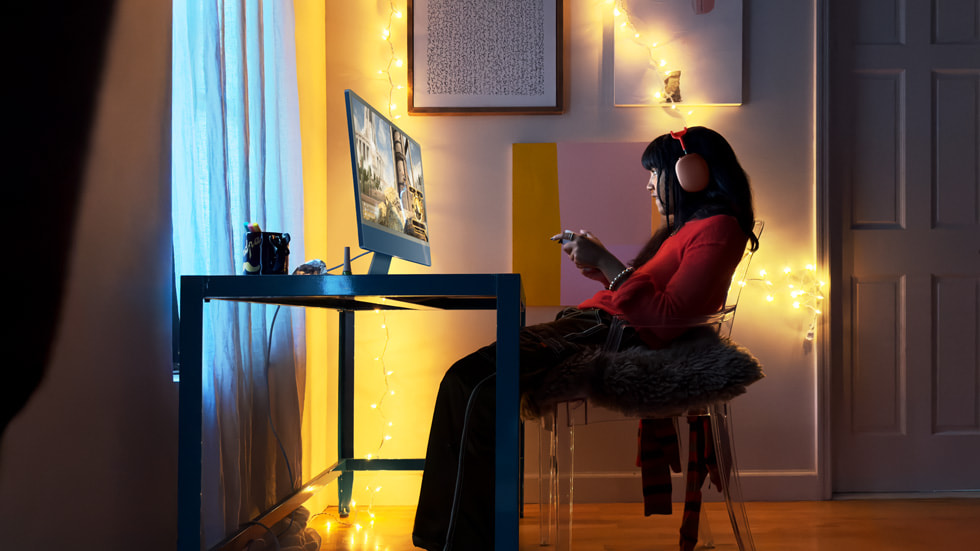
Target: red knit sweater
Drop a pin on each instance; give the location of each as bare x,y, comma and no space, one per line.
687,278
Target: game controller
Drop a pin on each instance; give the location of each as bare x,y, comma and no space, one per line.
566,235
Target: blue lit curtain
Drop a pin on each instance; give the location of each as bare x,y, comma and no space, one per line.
236,159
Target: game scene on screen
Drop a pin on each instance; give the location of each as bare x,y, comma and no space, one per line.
389,173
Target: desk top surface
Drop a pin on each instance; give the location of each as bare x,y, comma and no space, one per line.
360,292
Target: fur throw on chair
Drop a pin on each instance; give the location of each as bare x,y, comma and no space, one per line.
689,373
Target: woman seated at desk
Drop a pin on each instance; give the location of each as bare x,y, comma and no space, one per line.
683,272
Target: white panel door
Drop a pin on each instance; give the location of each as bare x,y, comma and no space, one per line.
904,151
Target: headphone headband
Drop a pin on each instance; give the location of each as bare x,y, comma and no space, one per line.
679,136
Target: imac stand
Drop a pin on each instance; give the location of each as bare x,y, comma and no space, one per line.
379,264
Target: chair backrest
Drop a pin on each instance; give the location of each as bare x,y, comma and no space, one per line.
723,320
580,411
726,317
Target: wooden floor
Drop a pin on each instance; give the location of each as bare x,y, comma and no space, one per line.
946,524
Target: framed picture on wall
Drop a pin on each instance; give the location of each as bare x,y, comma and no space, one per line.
669,52
472,57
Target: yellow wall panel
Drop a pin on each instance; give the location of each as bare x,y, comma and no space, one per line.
536,218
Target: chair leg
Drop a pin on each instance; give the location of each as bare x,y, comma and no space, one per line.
705,538
548,480
571,483
721,430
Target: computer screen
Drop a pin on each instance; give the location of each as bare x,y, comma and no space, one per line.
389,190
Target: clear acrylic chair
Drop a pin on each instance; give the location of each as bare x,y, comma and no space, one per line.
555,433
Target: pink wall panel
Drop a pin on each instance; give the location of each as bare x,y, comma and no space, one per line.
602,188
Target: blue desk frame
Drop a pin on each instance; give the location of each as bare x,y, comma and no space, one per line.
348,294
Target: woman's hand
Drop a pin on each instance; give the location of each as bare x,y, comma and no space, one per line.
592,272
592,257
585,249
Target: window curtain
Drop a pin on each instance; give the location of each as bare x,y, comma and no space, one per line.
236,160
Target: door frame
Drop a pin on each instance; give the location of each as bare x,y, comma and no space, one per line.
828,249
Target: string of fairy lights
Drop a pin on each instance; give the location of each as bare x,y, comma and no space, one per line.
356,529
378,405
393,61
361,529
801,289
625,23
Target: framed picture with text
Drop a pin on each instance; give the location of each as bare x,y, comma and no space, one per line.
472,57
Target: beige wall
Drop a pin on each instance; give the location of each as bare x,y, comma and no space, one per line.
91,462
468,177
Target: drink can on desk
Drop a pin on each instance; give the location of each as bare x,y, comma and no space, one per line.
266,253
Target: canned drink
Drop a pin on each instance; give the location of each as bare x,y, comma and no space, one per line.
266,253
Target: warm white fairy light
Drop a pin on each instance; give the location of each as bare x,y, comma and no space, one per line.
386,374
393,60
391,72
802,287
378,406
621,11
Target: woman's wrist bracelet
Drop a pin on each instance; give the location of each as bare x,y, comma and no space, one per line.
620,277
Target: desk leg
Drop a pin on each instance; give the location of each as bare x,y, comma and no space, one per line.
345,415
509,320
190,415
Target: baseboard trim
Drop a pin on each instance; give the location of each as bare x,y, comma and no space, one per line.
624,487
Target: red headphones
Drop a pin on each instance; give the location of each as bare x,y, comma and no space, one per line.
691,168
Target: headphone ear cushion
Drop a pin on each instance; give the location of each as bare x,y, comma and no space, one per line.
692,172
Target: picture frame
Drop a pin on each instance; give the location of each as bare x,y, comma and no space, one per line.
469,57
672,53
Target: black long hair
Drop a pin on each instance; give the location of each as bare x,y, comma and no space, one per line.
728,190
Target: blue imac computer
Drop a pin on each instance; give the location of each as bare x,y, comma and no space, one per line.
388,188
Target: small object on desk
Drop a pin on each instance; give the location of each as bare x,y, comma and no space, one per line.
347,268
266,253
312,267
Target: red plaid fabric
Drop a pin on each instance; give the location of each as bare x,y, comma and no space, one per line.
658,454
